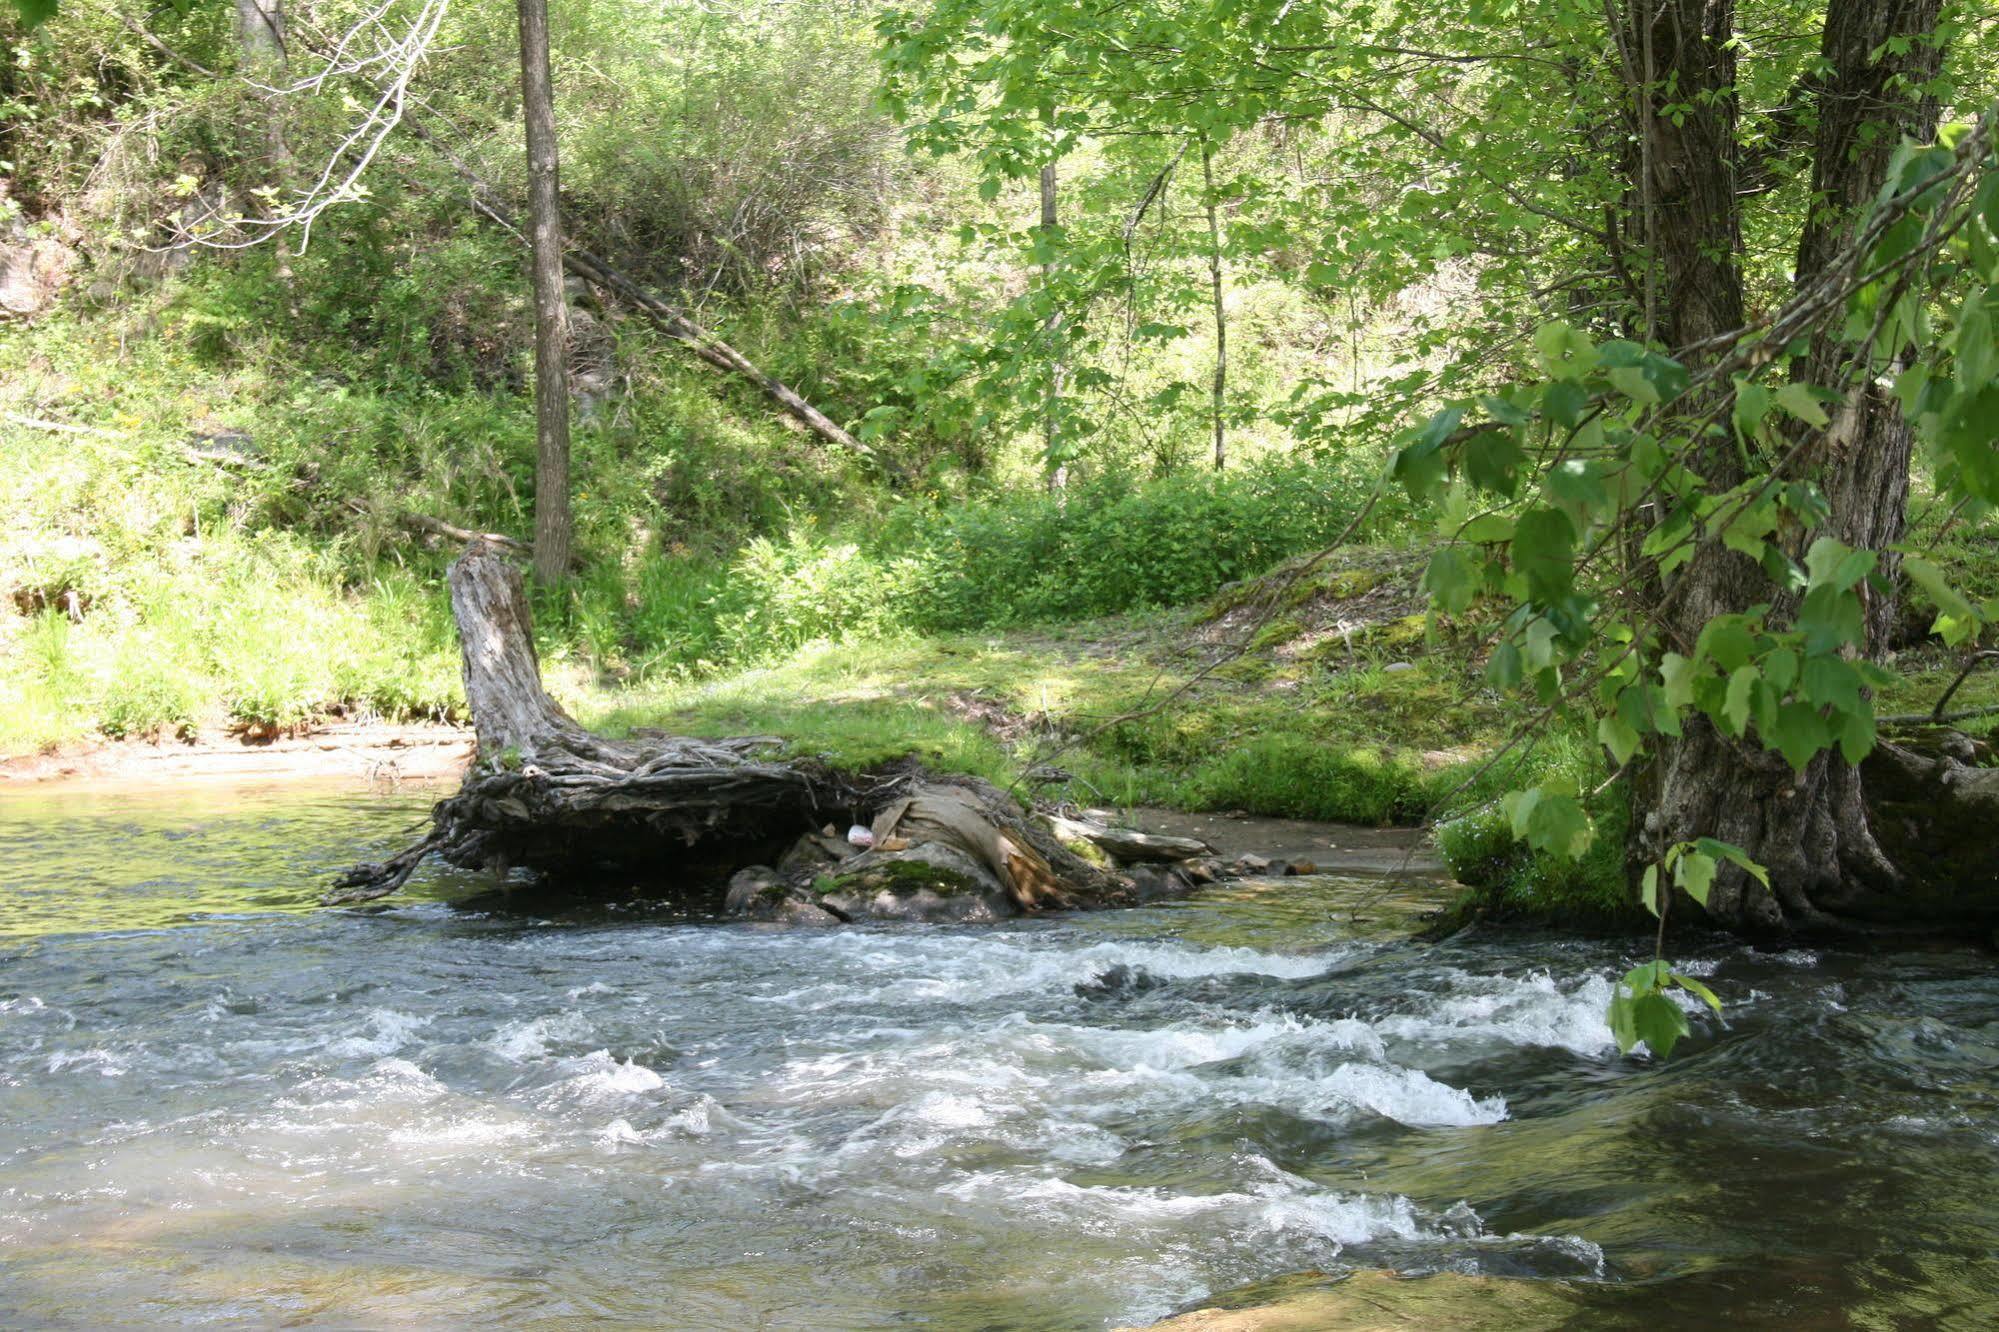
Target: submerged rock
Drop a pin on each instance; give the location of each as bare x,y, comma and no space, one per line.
1375,1301
759,893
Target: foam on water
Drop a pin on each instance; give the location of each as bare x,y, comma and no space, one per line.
388,1031
1107,1108
1531,1010
929,971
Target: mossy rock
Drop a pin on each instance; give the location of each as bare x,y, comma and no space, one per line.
1345,583
1089,851
926,882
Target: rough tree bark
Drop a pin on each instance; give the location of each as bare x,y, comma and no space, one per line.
1218,390
1812,832
1051,437
552,526
547,796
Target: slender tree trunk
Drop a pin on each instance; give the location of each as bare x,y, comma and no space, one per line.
1810,831
265,58
1051,431
1219,391
552,525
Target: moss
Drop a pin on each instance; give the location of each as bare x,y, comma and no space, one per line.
899,877
1345,583
1277,633
1088,851
1407,632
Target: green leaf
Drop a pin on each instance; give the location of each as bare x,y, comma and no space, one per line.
1420,465
1695,873
1565,353
1519,808
1831,563
1800,733
1856,735
1801,401
1752,404
1565,402
1645,977
1698,990
1648,889
1747,529
1931,580
1657,1021
1623,1021
1677,672
1618,737
1735,855
1726,641
1538,644
1488,529
35,12
1735,705
1544,552
1492,462
1504,410
1448,580
1830,680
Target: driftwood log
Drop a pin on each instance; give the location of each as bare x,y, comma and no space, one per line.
574,808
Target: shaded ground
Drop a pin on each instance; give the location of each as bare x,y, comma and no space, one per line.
1333,848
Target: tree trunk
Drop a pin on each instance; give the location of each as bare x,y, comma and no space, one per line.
265,57
1811,831
1219,390
552,524
1051,433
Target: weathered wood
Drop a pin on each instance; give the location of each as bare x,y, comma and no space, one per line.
547,796
1127,846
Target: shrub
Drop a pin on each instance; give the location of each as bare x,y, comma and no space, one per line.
1293,777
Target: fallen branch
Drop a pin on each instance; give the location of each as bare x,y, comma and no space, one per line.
1934,718
435,526
664,316
58,427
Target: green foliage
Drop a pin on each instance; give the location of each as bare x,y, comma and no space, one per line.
1298,777
1642,1008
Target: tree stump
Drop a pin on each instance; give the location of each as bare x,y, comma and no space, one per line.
574,808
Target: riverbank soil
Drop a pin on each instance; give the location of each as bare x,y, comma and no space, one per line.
370,754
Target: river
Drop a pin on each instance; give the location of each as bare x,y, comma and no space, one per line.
221,1106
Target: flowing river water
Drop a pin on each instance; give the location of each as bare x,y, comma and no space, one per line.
221,1106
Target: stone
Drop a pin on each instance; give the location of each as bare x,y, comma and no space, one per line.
746,885
33,269
811,852
929,881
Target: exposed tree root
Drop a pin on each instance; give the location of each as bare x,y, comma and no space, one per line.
548,796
